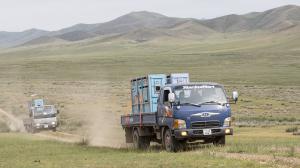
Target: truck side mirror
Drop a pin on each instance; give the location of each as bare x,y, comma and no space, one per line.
171,97
235,96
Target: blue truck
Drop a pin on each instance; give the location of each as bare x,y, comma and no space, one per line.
172,111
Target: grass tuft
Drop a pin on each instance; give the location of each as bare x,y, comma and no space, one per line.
292,129
84,142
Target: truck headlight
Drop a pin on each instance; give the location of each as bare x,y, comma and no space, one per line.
227,122
179,124
37,124
53,123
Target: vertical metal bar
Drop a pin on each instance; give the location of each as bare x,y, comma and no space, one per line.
142,103
138,95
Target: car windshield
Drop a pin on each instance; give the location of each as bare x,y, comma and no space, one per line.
200,94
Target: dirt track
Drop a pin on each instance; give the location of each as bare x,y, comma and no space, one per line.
16,124
60,136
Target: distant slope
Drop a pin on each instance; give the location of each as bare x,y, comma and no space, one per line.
78,27
191,29
144,26
277,19
43,40
8,39
76,36
145,34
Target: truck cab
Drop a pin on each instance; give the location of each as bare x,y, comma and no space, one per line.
195,111
41,116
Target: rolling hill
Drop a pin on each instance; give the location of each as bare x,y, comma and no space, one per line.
277,19
143,26
9,39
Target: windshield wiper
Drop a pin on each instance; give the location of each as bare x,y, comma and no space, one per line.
197,105
213,102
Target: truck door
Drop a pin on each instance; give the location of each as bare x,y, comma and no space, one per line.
164,105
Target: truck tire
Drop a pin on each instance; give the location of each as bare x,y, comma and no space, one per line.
26,128
169,141
219,141
32,130
54,129
146,142
140,142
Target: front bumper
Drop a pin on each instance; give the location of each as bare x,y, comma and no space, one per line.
199,133
45,126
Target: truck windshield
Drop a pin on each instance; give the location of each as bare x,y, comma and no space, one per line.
200,94
44,115
44,112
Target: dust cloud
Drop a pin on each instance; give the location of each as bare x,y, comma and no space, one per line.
91,111
15,124
104,128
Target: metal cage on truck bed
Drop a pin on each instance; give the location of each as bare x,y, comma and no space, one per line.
178,78
144,95
145,92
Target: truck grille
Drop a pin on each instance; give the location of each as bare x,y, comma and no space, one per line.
198,132
205,124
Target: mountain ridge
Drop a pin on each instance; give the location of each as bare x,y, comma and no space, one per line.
144,26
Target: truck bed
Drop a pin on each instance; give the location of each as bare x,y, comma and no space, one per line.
142,119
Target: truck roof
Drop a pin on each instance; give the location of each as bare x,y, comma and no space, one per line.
194,83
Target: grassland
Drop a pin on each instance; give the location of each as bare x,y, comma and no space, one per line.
257,147
263,67
89,83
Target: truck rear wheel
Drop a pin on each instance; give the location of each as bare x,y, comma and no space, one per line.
219,141
170,143
140,142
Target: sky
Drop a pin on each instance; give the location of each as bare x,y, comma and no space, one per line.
19,15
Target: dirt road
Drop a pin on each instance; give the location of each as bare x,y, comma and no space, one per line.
60,136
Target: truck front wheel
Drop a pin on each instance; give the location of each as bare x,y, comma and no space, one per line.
32,130
219,141
170,143
140,142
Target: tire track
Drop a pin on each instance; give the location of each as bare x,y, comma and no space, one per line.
60,136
